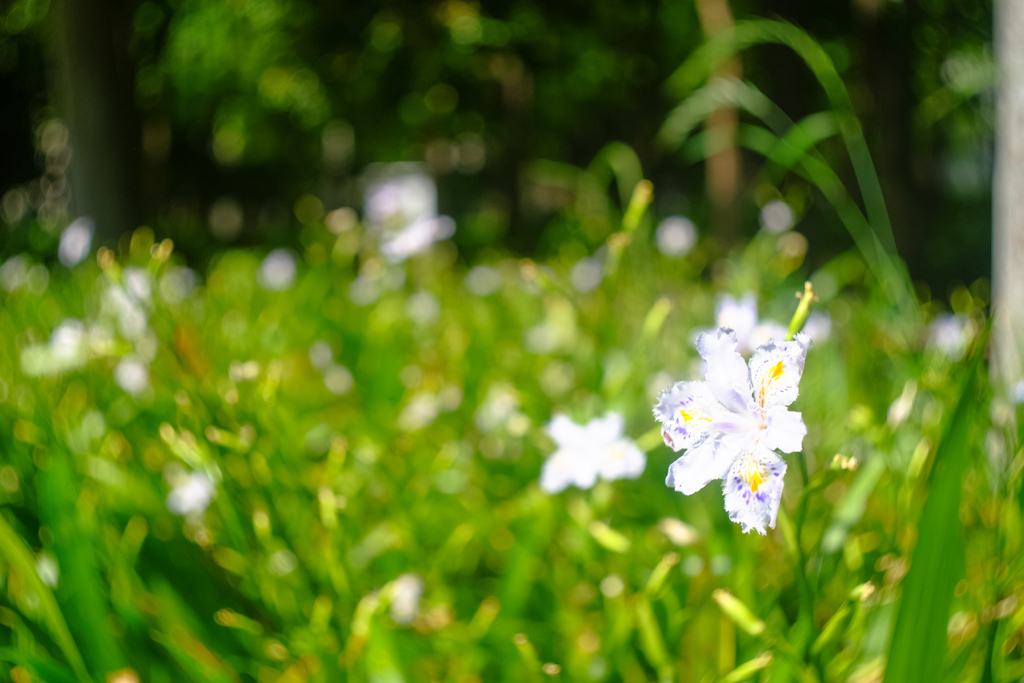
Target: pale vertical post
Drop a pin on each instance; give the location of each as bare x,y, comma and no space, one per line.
1008,197
723,163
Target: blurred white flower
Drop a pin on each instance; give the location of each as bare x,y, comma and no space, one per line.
741,317
543,338
777,216
46,568
421,410
67,349
401,195
277,272
612,587
586,452
498,408
423,307
138,282
483,280
405,592
341,220
676,236
177,284
949,334
401,206
416,238
1018,392
900,409
364,290
450,397
764,333
14,272
132,375
321,355
678,531
191,494
732,423
68,340
338,379
75,241
818,326
132,318
587,274
243,371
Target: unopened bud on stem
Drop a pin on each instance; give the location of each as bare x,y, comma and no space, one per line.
802,311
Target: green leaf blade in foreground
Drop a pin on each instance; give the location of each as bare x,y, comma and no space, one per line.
918,647
17,554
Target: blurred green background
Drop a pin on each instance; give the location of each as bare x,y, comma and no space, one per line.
265,417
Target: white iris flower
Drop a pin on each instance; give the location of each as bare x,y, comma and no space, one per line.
191,494
401,205
406,592
949,334
732,423
586,452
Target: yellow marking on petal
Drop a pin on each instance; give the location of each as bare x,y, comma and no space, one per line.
693,417
753,473
769,378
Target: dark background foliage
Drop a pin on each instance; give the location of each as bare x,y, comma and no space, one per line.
264,101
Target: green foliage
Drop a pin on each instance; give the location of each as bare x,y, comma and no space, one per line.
919,639
375,430
428,465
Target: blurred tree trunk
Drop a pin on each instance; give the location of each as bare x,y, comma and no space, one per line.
1008,196
93,81
723,164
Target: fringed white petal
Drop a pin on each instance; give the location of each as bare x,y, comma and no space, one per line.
706,462
753,489
727,374
775,371
786,430
686,411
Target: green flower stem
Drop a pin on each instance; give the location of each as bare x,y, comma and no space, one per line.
643,193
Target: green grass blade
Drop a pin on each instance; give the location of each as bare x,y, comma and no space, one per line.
82,589
49,670
18,555
918,646
793,146
746,34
